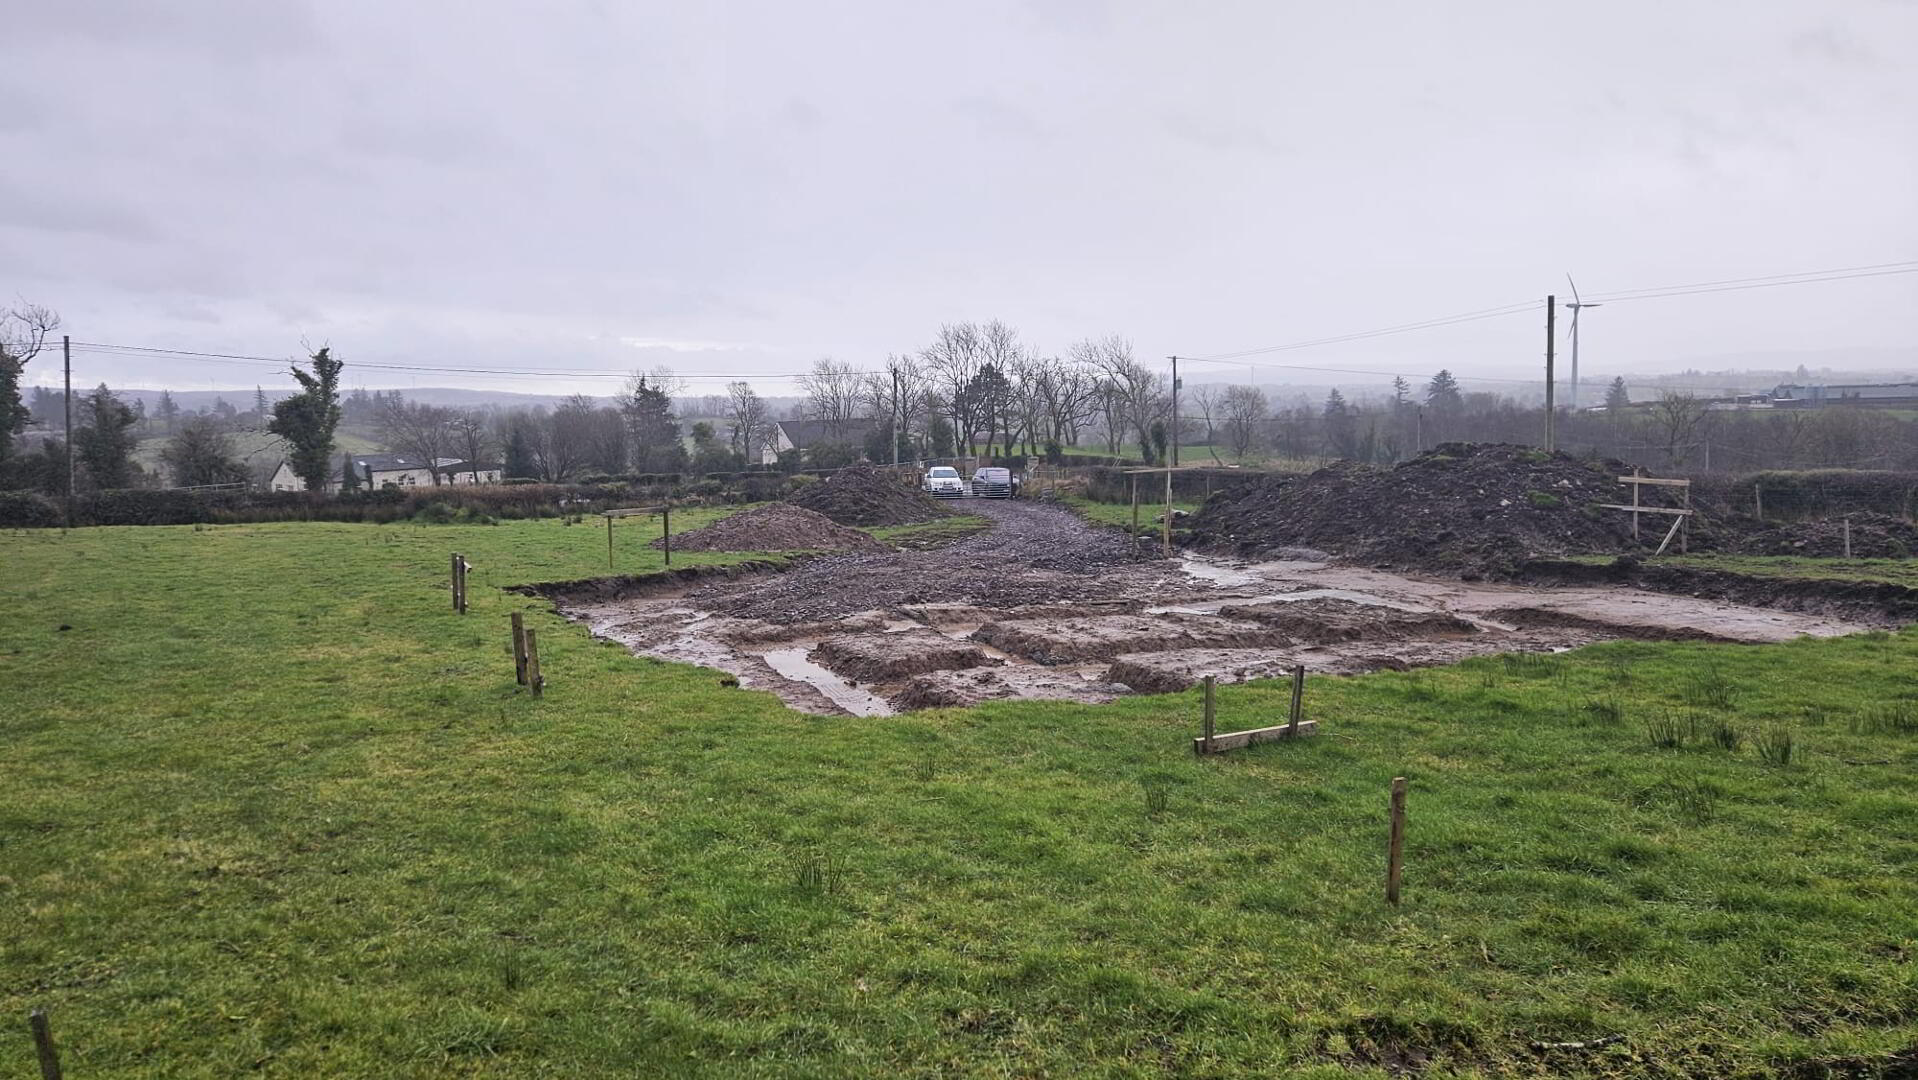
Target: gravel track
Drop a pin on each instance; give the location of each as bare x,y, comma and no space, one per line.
1033,554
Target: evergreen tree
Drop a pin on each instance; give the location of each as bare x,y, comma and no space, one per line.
308,419
655,431
169,410
349,476
1617,398
259,404
519,454
105,446
1340,427
13,411
202,454
1443,394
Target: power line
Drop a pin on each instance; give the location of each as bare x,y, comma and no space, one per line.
107,349
1807,277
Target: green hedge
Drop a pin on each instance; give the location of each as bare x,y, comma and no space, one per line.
25,510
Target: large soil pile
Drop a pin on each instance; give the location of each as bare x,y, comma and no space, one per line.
775,527
865,496
1873,536
1463,508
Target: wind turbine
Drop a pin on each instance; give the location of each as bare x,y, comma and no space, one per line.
1576,305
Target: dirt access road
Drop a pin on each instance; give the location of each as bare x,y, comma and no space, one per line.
1045,605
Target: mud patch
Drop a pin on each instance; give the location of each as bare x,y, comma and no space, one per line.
1065,641
1324,620
945,689
884,657
775,527
1182,669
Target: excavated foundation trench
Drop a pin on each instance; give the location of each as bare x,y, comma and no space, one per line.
1046,606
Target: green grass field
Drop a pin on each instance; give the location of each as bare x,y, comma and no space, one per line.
1120,514
271,807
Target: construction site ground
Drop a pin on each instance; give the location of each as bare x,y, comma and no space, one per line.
1045,605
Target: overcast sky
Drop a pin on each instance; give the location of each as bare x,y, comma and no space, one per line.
740,188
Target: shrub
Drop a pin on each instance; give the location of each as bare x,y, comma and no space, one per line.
25,510
1544,500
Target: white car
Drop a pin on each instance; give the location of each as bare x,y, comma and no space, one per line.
944,482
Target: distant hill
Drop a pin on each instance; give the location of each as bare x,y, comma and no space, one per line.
242,399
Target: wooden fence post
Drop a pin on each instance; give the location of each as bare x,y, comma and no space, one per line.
1135,515
43,1045
533,678
1395,847
459,585
1848,538
609,543
1298,698
519,648
1166,532
1211,714
666,530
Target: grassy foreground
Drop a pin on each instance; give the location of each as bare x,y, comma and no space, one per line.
270,806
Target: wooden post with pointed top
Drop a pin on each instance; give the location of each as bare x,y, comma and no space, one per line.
1395,846
519,648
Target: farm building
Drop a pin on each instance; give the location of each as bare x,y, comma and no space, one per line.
1879,395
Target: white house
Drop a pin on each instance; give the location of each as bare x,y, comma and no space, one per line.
806,434
374,470
455,471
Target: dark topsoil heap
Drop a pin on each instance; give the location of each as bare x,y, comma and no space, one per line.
1461,508
775,527
1873,536
864,495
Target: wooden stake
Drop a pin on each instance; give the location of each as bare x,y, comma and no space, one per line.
519,647
1166,531
1298,697
1395,847
43,1044
1847,538
1135,515
666,531
459,585
533,678
1210,713
1685,523
1635,491
609,542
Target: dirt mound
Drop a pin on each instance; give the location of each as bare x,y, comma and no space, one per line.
1873,536
866,496
1328,620
1461,508
883,656
775,527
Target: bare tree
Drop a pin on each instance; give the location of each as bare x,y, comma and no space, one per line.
1676,417
833,393
562,442
470,432
746,415
1209,399
953,361
24,329
420,430
1244,410
1136,395
896,396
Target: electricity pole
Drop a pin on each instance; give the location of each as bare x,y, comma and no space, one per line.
898,415
1551,334
1174,440
66,354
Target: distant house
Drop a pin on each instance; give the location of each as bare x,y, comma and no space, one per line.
803,435
373,470
470,472
1882,395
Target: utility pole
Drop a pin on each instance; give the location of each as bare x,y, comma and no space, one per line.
66,354
898,415
1174,440
1551,355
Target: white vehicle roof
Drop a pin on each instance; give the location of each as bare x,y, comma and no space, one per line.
943,471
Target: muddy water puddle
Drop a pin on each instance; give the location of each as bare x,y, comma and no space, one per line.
1150,628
